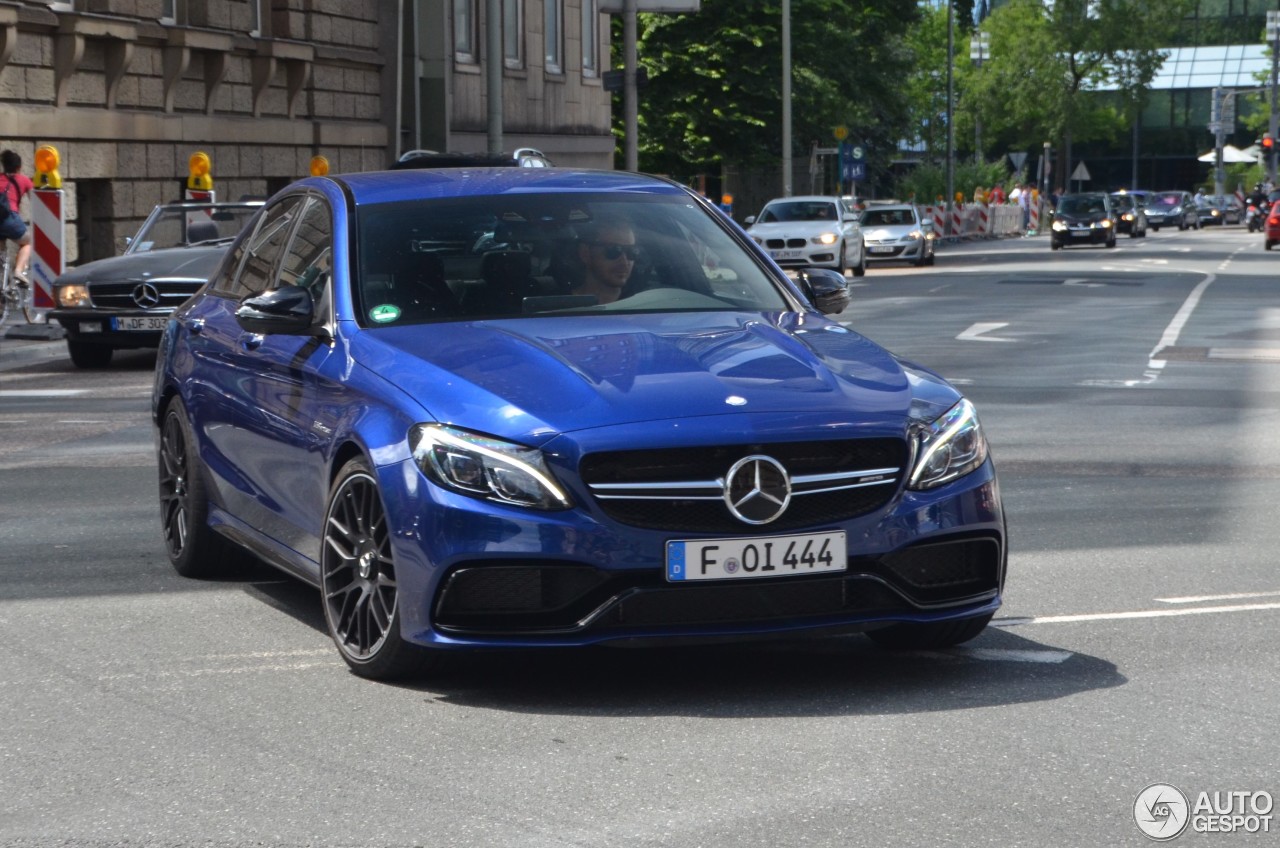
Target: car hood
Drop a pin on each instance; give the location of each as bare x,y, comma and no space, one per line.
533,378
793,228
195,263
1081,217
897,231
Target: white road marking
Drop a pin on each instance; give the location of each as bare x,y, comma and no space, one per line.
1200,599
1083,281
1121,616
38,393
975,333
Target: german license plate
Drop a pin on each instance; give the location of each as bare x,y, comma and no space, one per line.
772,556
785,254
144,323
879,249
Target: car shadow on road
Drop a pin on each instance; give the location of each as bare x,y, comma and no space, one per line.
834,675
845,675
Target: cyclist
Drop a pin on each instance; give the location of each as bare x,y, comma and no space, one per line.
13,187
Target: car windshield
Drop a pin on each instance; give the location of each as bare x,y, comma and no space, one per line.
799,210
1168,200
517,255
886,217
1122,203
177,225
1081,205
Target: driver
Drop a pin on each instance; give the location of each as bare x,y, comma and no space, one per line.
607,254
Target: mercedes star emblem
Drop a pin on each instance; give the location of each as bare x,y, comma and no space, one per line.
757,489
146,295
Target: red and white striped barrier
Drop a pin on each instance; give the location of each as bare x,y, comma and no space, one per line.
984,222
957,220
1034,226
48,239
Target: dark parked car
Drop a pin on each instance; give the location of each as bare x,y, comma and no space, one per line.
400,388
1130,217
125,301
1084,218
1216,211
1172,209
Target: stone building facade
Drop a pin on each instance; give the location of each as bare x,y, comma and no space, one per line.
128,90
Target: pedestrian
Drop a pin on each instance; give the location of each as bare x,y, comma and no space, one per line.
997,195
1024,201
15,186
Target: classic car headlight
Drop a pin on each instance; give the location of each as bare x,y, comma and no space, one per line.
1060,225
826,238
949,447
485,467
73,296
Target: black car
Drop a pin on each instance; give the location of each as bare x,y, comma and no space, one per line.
1084,218
1172,209
1130,216
124,301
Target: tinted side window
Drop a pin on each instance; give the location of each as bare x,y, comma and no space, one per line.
308,261
263,249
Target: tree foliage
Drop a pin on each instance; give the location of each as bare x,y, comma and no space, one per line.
714,95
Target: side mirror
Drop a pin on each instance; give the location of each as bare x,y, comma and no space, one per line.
287,310
827,289
749,220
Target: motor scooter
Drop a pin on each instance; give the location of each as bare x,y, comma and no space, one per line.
1254,215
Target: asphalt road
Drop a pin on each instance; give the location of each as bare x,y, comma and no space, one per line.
1130,396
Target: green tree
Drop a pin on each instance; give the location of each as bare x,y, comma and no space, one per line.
1050,57
714,95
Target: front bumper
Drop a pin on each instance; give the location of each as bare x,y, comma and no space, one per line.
891,251
112,328
472,574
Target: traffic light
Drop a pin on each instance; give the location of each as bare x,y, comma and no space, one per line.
1268,143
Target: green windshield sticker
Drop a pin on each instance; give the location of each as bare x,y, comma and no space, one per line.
384,313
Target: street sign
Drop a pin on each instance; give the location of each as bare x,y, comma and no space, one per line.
1081,173
1017,160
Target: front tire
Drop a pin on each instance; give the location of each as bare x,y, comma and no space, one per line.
860,270
358,579
930,636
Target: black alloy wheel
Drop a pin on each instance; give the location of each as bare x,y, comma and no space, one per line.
194,549
358,579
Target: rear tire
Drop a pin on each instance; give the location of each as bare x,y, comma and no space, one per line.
931,636
194,549
860,270
85,355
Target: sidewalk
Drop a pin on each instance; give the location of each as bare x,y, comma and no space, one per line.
22,344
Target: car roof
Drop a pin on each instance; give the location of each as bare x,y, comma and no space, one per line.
524,157
806,198
877,206
394,186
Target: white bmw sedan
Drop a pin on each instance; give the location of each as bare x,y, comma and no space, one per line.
810,232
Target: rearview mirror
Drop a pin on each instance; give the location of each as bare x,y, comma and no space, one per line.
827,289
287,310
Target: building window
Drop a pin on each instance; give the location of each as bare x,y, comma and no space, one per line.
553,32
464,31
255,18
590,28
513,33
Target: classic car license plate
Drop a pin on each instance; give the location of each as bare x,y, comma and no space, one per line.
881,249
767,556
785,254
136,323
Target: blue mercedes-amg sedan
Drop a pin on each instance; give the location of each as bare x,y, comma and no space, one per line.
529,408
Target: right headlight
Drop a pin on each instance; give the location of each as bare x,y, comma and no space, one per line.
486,467
949,447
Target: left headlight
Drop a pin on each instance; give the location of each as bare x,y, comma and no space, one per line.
826,238
948,448
485,467
73,296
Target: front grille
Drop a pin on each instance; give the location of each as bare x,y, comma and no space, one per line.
659,489
777,243
172,293
493,598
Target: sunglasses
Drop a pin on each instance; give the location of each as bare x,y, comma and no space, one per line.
614,251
